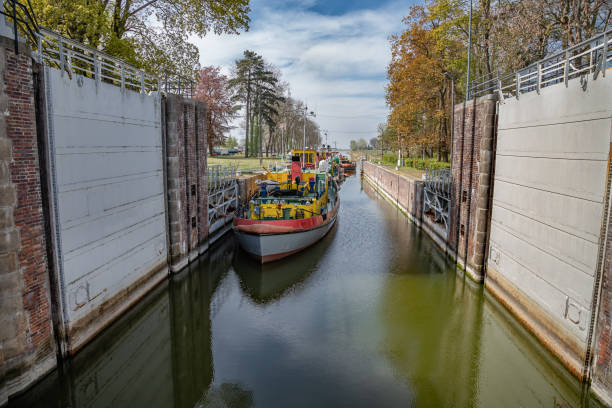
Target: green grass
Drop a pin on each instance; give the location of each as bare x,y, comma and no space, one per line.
242,162
411,166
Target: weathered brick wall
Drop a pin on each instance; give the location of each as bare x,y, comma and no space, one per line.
186,174
602,361
405,191
27,349
473,135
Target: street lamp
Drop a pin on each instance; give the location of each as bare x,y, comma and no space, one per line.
306,113
452,113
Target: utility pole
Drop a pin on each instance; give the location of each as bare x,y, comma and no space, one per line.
452,113
467,92
259,125
304,144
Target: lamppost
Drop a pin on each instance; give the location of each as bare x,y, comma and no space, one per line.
467,90
306,113
452,113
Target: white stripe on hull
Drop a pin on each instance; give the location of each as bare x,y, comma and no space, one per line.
267,245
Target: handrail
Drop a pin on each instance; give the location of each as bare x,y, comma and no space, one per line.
593,55
23,18
73,57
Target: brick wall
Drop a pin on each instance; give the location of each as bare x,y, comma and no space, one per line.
186,177
602,360
27,348
406,192
473,134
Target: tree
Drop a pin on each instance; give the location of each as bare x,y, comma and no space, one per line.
231,142
256,86
242,83
212,89
418,91
151,34
374,143
354,145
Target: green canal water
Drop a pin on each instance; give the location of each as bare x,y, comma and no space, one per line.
374,315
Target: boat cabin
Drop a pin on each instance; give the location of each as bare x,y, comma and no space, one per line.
308,156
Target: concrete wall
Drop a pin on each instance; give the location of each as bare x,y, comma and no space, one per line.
106,161
403,191
27,347
473,153
187,182
407,194
550,178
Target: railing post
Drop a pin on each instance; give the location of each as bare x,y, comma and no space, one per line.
518,84
15,28
604,61
122,78
159,88
61,55
142,81
97,69
39,45
539,83
566,69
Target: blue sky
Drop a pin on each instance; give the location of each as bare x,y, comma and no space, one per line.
333,54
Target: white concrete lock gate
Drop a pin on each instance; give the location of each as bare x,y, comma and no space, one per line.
550,179
108,193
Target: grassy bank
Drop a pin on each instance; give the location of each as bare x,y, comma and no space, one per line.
411,166
243,163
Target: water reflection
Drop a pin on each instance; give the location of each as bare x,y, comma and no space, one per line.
269,282
373,315
454,344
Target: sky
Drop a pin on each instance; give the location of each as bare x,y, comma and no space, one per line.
333,54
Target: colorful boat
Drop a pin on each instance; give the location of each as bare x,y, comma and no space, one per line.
308,157
348,165
292,210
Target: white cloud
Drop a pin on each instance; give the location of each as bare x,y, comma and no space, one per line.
337,64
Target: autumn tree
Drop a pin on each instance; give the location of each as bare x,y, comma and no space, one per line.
151,34
417,92
212,89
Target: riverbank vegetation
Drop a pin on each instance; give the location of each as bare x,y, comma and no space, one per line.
430,56
156,36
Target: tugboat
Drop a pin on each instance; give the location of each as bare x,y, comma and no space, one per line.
348,165
291,211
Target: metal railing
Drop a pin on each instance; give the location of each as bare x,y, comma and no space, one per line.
221,176
589,57
437,194
23,19
72,57
178,85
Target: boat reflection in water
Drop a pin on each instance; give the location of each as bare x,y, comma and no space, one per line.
156,355
264,283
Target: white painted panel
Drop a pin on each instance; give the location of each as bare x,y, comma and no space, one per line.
548,267
575,140
575,178
552,300
109,186
571,249
550,175
570,214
